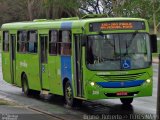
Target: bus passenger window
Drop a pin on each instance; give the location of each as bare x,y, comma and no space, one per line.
65,46
53,38
5,41
22,41
32,42
22,48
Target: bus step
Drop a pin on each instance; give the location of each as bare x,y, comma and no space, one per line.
81,98
44,92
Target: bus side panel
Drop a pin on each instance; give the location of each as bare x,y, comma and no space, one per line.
28,64
66,69
6,67
33,72
56,86
20,68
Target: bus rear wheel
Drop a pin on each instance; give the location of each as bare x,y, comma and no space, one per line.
126,101
25,87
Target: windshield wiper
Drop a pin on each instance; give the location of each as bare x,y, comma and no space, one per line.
132,38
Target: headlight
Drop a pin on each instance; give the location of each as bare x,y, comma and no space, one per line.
92,83
148,80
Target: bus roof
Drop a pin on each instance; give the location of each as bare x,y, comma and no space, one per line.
48,24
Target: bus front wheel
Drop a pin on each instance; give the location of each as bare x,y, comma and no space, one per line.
126,101
68,94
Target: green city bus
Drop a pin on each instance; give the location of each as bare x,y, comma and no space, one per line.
81,59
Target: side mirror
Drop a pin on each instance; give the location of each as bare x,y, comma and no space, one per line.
153,41
84,40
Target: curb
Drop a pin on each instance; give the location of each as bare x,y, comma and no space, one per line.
155,62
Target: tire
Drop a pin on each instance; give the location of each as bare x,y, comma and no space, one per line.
25,87
126,101
68,95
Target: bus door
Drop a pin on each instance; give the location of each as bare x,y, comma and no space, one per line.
44,62
78,66
12,57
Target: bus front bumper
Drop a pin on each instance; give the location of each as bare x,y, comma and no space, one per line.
95,92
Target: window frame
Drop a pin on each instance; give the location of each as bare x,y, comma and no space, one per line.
28,41
60,42
54,42
4,42
18,42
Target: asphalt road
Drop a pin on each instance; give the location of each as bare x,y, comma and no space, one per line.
142,108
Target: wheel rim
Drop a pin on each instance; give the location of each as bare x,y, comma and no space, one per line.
69,94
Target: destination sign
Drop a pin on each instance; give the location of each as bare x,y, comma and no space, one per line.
117,25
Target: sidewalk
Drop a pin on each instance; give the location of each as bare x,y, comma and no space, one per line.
12,111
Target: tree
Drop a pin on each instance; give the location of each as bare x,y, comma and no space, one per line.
156,18
91,6
138,8
60,8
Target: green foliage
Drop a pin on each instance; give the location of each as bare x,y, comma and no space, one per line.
137,8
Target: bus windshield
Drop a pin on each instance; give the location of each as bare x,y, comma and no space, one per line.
118,51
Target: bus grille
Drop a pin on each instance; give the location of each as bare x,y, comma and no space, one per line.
121,77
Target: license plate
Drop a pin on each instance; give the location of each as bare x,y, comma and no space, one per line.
122,93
